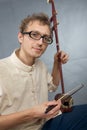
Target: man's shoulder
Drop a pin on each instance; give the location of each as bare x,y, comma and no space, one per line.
4,60
4,63
40,62
40,65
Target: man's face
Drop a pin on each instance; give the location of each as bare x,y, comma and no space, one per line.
31,47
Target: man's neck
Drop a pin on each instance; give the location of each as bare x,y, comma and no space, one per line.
26,60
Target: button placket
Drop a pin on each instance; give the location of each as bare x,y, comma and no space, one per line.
34,93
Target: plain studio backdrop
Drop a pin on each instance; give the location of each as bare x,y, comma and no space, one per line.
72,33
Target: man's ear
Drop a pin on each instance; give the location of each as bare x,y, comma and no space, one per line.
20,37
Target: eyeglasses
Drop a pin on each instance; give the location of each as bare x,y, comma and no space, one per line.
37,36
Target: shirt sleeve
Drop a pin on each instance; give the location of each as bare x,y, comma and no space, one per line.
51,86
0,94
48,77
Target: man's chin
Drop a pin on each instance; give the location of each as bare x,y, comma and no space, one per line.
37,56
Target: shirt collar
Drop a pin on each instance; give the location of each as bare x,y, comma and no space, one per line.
20,64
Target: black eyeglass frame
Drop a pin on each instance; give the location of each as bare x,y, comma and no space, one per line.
44,36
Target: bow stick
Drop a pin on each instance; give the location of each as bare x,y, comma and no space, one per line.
65,96
55,29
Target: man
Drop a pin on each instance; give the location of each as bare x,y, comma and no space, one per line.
25,80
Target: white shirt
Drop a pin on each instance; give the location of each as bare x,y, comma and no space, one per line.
22,87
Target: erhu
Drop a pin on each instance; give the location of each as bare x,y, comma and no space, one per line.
66,98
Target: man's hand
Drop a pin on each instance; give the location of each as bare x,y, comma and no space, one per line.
40,110
61,56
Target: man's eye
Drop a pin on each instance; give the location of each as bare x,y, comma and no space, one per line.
36,34
47,38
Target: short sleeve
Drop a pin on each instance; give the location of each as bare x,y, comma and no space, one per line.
51,86
0,94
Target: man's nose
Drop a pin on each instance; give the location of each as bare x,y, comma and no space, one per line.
40,41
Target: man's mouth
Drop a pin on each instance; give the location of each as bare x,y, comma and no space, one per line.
37,49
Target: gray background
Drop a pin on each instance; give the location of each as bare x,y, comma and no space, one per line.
72,32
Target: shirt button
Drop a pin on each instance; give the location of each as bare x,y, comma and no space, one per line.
33,91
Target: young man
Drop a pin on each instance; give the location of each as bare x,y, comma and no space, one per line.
25,80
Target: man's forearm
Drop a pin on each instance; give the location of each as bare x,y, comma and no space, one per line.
56,74
13,120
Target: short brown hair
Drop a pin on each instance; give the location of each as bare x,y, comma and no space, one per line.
42,17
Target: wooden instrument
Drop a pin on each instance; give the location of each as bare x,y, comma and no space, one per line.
66,98
54,22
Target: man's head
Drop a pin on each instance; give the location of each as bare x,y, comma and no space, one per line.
35,34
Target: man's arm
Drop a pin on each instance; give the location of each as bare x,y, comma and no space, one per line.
37,112
59,57
12,120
